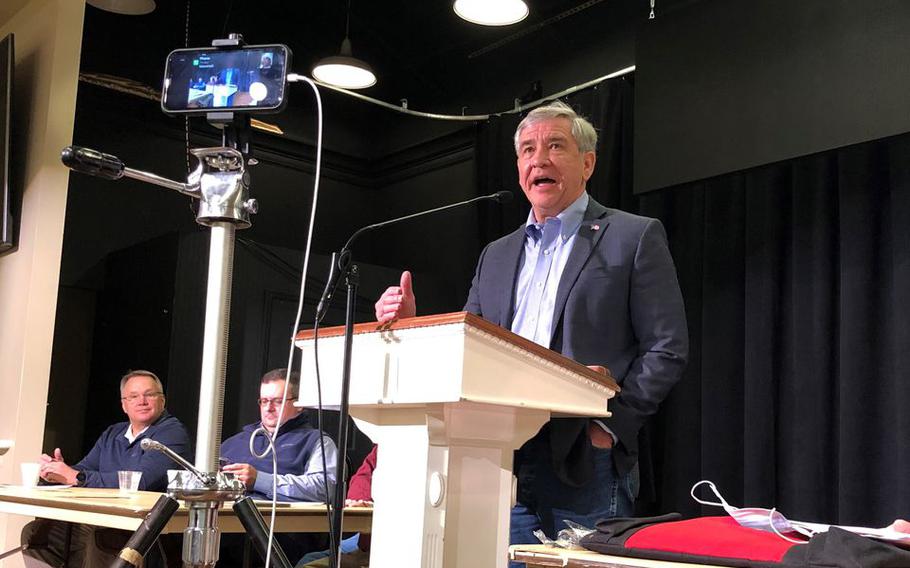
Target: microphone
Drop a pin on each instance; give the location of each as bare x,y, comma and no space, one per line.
92,162
331,284
148,444
341,260
502,196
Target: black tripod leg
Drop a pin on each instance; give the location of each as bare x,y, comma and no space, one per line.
255,527
142,540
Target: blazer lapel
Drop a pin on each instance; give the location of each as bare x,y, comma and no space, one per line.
592,229
513,253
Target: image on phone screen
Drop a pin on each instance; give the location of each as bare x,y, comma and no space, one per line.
250,78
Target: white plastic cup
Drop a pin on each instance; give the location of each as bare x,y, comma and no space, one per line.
129,481
30,473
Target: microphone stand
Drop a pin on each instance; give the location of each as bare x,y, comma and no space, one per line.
343,266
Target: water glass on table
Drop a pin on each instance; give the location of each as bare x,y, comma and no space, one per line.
30,472
129,481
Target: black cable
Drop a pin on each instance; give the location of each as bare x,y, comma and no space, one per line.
287,269
227,18
274,260
186,118
333,547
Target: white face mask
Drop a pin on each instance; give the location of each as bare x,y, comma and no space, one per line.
755,517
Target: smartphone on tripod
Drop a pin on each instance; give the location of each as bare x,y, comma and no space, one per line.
249,79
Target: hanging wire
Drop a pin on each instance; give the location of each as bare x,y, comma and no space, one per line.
478,117
227,18
186,118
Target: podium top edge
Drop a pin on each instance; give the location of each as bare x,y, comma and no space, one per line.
471,320
400,324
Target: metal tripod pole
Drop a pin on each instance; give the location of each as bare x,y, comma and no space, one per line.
215,345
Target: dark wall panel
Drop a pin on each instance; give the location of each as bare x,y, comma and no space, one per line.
725,85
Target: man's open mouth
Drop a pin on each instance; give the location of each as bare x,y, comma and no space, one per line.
543,181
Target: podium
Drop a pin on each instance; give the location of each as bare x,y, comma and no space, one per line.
448,398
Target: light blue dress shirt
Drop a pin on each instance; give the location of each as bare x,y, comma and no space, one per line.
308,486
547,248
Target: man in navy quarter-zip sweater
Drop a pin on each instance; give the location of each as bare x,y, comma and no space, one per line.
300,475
118,449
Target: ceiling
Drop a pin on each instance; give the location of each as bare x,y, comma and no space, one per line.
10,7
421,51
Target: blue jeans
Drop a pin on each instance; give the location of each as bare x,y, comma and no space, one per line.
607,495
347,546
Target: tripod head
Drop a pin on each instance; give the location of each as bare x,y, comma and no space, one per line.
220,181
224,185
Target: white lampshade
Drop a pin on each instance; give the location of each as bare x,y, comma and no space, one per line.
345,70
127,7
491,12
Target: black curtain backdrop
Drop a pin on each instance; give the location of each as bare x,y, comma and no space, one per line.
796,278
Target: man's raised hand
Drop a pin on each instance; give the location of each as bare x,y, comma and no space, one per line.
397,301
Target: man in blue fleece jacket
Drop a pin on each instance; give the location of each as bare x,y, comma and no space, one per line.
118,448
300,454
300,473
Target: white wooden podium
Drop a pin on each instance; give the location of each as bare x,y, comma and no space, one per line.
447,398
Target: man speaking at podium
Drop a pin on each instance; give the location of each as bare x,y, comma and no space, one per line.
595,284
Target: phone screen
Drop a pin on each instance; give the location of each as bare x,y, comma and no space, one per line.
250,79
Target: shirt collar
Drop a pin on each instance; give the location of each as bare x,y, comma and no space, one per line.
129,433
290,423
569,218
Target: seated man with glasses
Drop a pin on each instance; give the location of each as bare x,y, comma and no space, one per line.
118,449
301,453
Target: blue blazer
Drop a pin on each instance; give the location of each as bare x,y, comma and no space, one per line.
618,304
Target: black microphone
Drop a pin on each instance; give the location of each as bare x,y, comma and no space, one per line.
341,260
92,162
502,196
331,284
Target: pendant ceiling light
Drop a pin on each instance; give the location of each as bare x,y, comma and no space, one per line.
344,70
127,7
491,12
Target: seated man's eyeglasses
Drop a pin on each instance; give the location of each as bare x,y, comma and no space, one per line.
143,396
273,401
